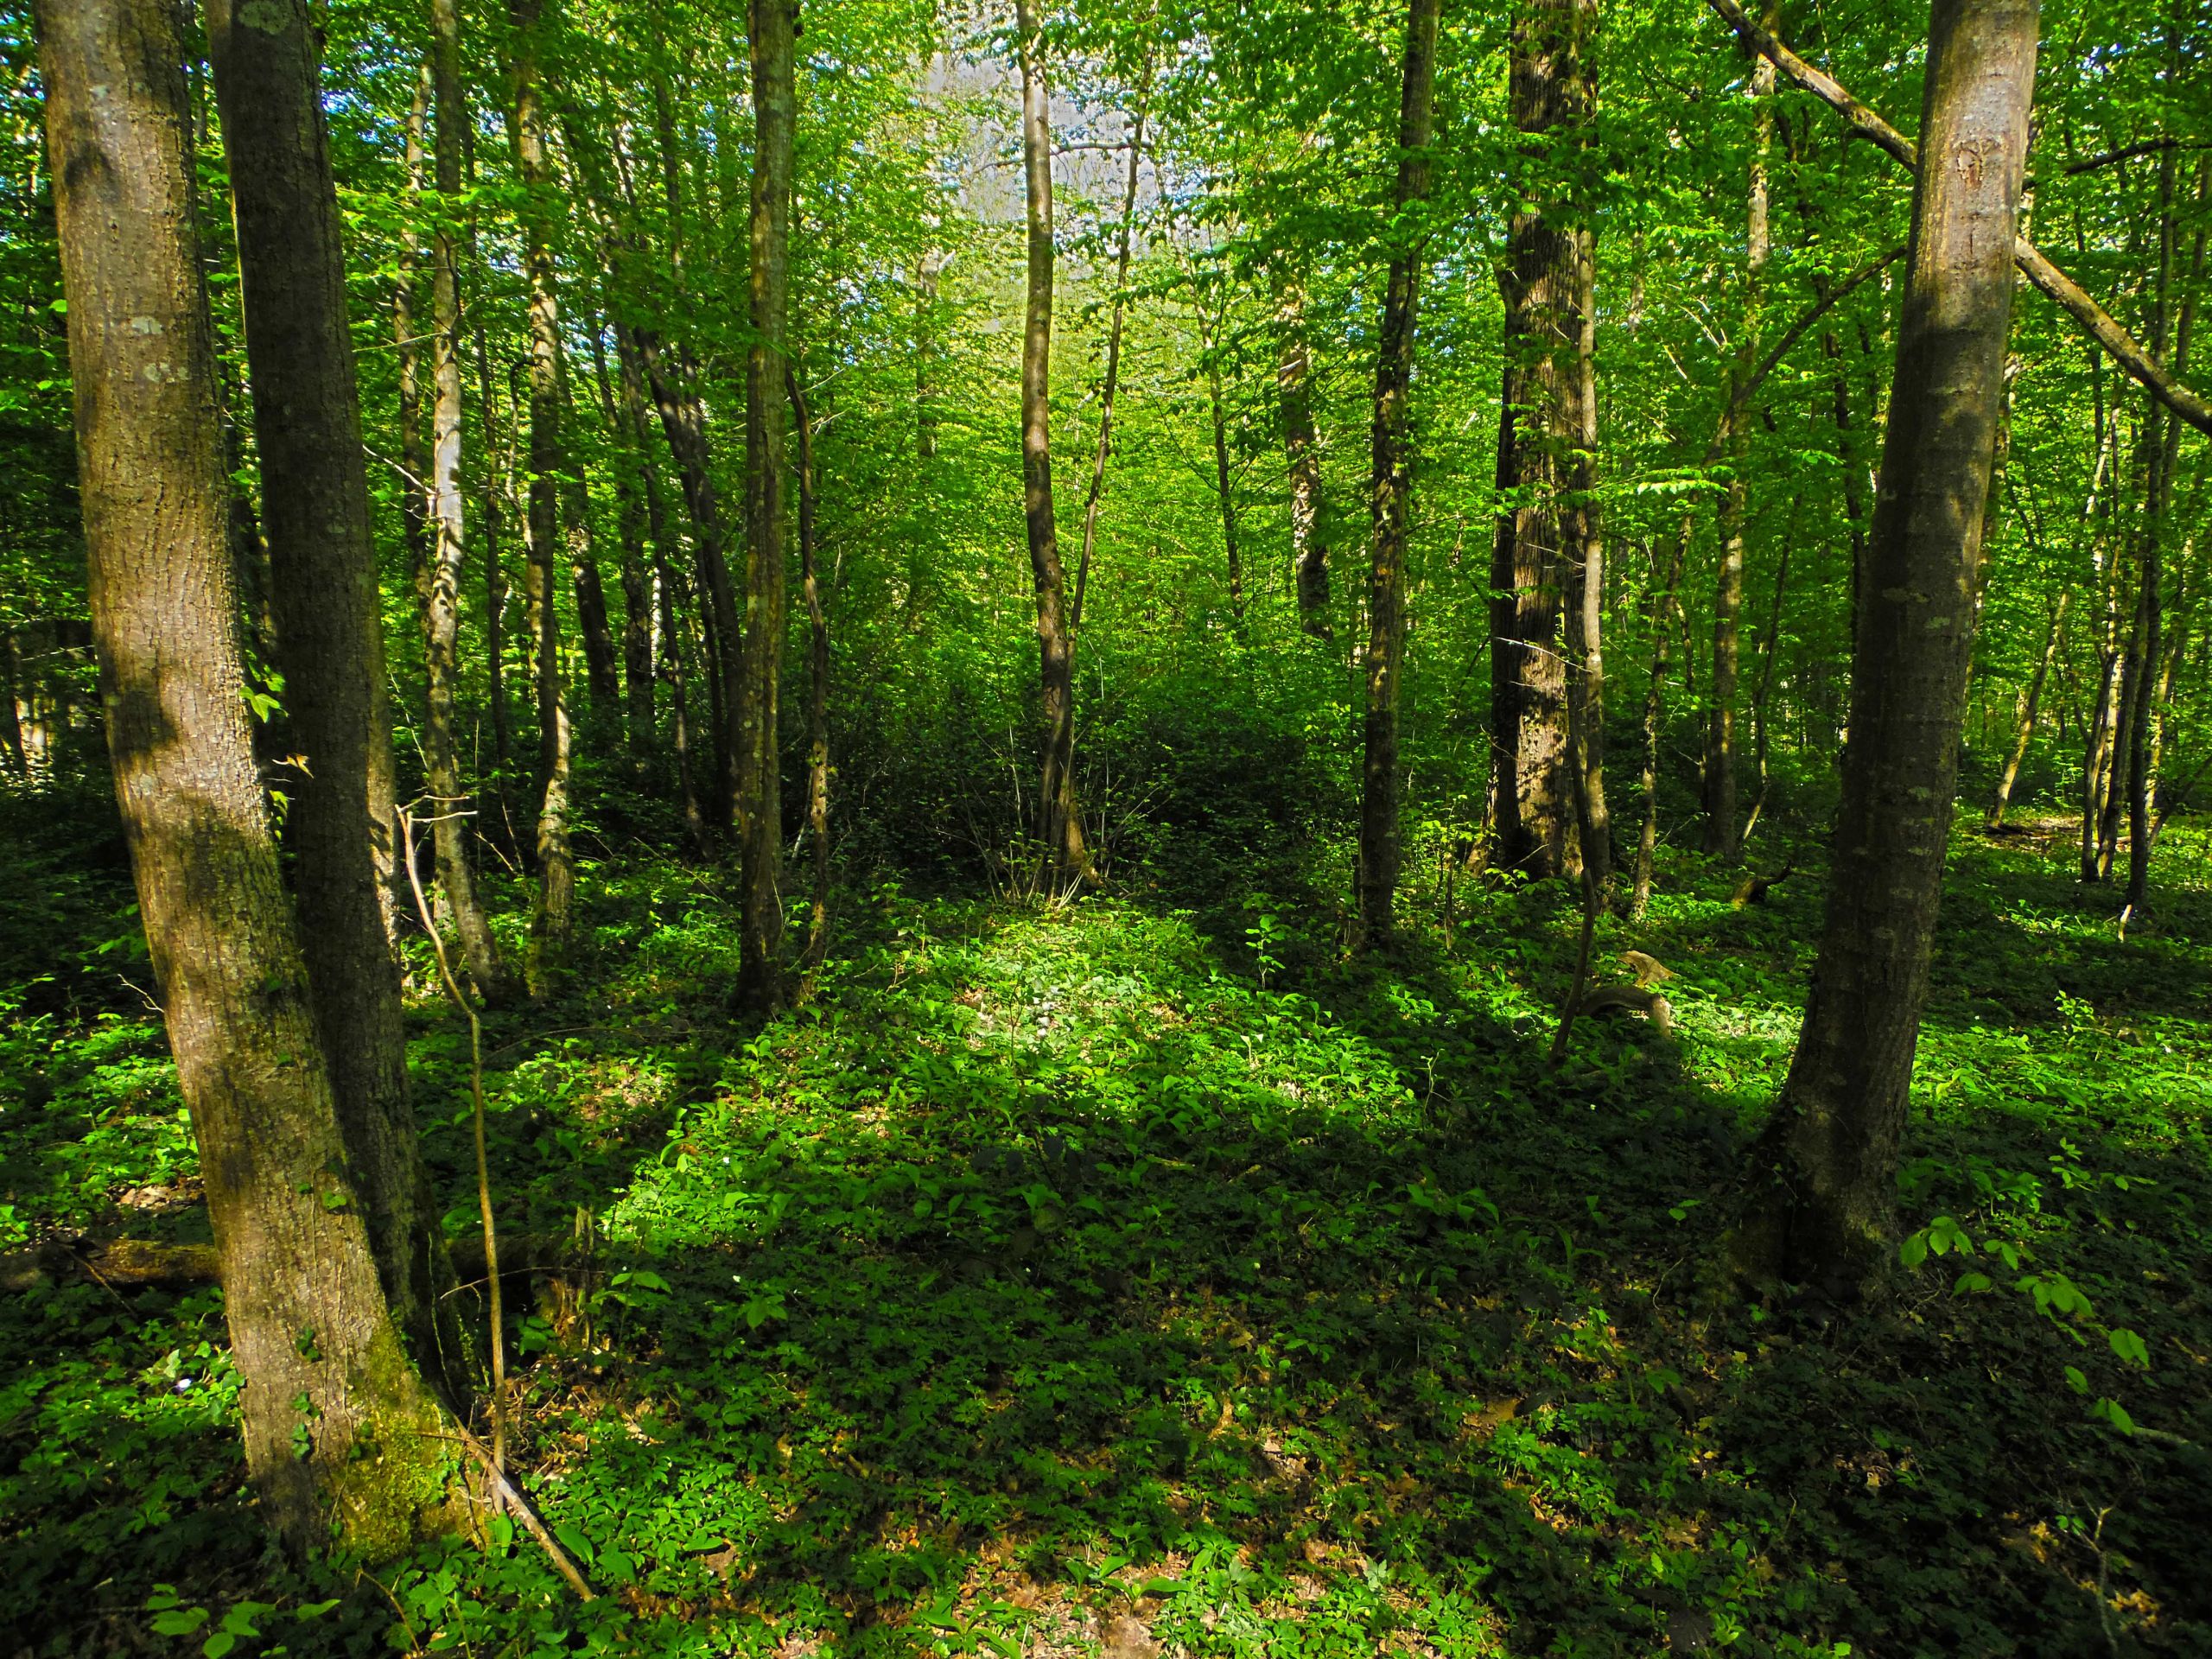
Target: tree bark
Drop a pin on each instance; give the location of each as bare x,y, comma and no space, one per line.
552,917
341,826
1391,485
1663,601
817,691
602,667
665,567
1763,692
760,814
1059,818
442,604
2113,794
639,608
2097,753
2162,439
414,450
495,575
672,377
1109,383
1585,546
1309,545
683,423
1834,1138
1232,553
337,1422
1720,839
1552,91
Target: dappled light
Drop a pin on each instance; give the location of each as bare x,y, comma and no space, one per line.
1302,830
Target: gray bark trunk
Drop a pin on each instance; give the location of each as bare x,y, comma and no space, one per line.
1834,1141
341,826
339,1427
1390,487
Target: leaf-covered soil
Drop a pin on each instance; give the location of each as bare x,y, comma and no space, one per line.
1126,1274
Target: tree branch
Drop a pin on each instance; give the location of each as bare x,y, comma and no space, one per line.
2098,323
2129,152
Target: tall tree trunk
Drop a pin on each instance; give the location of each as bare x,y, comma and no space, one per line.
1059,819
1309,546
441,608
665,567
1720,839
2030,700
553,916
414,447
2097,750
11,721
341,827
674,640
683,423
1390,486
1232,554
2112,788
1109,383
310,1330
1585,549
1835,1137
638,673
1551,94
1664,602
817,691
602,667
495,575
2177,650
2162,437
760,813
671,375
2150,621
1763,692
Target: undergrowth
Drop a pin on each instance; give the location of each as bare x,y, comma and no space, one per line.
1058,1261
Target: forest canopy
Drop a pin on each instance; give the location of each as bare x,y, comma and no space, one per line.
923,826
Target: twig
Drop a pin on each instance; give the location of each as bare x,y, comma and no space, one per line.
532,1522
483,1165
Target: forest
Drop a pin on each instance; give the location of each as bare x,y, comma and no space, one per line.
1044,828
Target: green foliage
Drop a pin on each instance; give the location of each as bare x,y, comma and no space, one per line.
1143,1255
1051,1264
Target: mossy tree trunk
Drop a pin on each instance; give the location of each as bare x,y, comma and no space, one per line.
338,1426
1059,818
760,814
341,827
1391,486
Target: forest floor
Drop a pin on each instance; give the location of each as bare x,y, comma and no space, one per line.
1129,1273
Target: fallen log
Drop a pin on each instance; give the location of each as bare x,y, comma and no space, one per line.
148,1264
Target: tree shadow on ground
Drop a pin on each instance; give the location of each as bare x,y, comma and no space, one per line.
1051,1265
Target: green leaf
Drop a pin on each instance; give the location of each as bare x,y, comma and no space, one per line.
2129,1346
180,1621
